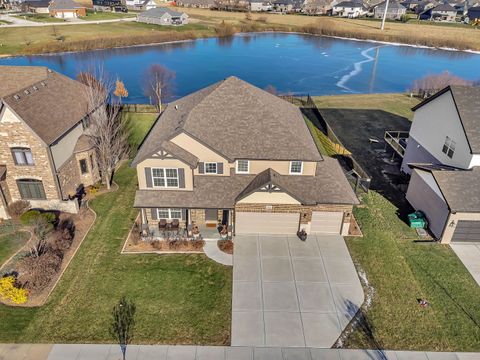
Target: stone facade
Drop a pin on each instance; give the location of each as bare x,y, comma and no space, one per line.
14,133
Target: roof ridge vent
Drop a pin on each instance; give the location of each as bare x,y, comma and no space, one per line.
43,83
176,107
16,97
26,92
35,87
49,70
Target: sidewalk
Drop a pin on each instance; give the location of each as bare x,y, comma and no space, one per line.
164,352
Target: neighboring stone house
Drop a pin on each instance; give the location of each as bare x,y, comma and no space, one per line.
66,9
349,9
45,156
442,12
37,6
443,158
395,10
287,6
140,5
235,154
163,16
317,7
110,5
205,4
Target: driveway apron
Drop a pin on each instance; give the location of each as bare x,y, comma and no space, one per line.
290,293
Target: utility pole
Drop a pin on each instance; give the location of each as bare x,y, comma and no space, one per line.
384,15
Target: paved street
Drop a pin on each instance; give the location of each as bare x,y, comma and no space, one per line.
291,293
469,254
164,352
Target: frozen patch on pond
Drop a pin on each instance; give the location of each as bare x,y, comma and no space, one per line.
357,69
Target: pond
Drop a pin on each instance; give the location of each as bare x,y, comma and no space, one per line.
291,63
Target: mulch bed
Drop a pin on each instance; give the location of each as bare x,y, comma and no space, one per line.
354,229
83,221
164,246
226,246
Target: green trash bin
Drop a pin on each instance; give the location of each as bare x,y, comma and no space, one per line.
417,220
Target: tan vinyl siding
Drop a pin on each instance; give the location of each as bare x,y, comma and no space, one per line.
164,163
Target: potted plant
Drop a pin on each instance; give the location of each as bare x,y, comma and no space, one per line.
302,235
224,232
196,232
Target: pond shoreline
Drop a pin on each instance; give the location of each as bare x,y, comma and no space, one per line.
242,33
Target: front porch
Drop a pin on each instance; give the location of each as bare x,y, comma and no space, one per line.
181,224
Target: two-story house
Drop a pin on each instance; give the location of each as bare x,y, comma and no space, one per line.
443,158
234,153
349,9
44,152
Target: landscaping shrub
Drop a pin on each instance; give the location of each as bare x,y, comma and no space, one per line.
36,272
9,291
224,29
17,208
31,216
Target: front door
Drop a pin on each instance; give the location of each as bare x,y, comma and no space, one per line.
225,217
211,217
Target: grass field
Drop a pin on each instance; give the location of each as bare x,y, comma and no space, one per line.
402,271
398,104
203,23
180,299
103,15
43,18
11,241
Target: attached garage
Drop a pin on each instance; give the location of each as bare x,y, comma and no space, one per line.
266,223
466,231
324,222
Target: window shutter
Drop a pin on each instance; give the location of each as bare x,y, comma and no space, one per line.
148,177
220,168
184,214
201,168
154,214
181,178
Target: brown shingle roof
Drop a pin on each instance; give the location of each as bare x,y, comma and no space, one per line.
460,188
238,120
329,186
64,5
180,153
83,144
53,103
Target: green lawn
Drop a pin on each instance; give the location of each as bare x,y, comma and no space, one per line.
11,241
183,299
138,125
39,18
402,271
103,15
399,104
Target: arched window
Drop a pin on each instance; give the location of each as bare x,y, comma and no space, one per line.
31,189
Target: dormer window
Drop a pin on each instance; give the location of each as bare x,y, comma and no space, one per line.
449,147
296,167
243,166
22,156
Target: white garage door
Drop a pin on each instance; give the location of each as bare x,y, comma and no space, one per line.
324,222
266,223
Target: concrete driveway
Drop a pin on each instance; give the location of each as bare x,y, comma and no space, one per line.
469,254
291,293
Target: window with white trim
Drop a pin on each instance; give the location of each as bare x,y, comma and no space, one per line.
169,214
296,167
243,166
211,168
449,147
22,156
164,177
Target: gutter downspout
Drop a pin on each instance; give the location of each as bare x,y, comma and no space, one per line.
54,172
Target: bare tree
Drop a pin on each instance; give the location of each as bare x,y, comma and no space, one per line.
41,228
123,322
158,84
271,89
107,131
431,84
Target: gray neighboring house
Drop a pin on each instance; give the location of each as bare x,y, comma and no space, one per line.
443,12
395,10
443,157
163,16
